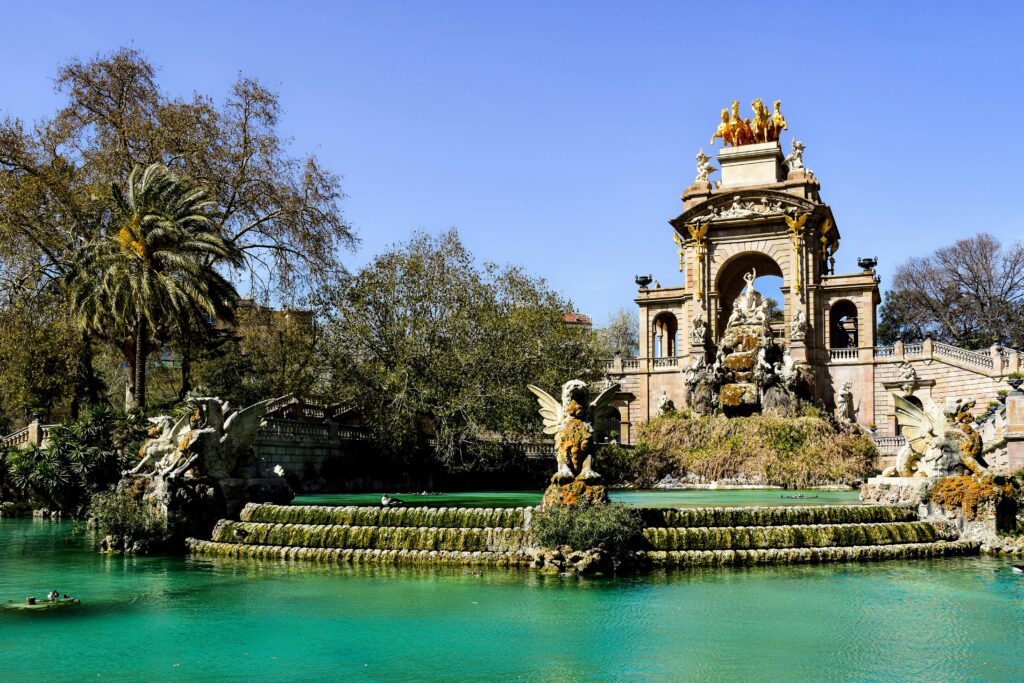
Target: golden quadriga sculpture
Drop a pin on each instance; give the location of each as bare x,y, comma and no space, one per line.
576,423
764,127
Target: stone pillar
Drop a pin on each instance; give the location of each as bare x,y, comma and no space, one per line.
1015,430
897,350
35,433
997,359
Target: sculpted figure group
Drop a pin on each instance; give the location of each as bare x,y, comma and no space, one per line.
764,127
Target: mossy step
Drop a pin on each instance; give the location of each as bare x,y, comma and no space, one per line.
359,556
369,537
352,515
791,536
776,515
718,558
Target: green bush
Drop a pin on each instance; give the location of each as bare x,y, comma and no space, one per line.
132,524
79,459
612,527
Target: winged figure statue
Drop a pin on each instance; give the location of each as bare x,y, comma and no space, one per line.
576,422
939,442
211,439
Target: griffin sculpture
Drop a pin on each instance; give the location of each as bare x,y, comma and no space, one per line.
576,422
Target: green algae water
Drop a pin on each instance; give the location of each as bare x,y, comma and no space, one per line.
173,619
654,499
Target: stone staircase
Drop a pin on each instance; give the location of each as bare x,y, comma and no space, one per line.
499,537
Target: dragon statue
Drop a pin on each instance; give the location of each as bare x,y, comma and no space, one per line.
939,442
576,422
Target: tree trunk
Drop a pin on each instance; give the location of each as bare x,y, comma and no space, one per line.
140,364
186,370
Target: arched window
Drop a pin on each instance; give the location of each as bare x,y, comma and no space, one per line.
614,426
665,336
843,332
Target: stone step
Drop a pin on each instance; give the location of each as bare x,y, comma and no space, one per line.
509,558
778,515
369,537
792,536
718,558
354,515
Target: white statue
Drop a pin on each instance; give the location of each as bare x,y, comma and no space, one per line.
907,376
844,404
749,308
210,441
704,167
798,326
795,160
698,330
665,404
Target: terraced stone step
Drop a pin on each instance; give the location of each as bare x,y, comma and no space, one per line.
479,518
359,556
776,515
369,537
791,536
718,558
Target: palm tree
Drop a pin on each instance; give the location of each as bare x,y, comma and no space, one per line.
152,268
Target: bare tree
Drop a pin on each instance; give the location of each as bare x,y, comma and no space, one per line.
970,294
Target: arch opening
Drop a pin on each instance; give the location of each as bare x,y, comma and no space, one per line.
665,336
843,325
769,283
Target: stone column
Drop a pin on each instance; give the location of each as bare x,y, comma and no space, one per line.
35,433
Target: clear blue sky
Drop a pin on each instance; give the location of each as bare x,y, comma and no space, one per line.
559,135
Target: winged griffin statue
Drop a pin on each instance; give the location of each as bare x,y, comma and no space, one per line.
939,442
210,440
576,422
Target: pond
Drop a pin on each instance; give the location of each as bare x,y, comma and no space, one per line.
172,619
654,499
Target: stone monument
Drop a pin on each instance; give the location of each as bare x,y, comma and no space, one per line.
201,468
576,422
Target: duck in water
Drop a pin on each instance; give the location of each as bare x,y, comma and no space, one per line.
389,502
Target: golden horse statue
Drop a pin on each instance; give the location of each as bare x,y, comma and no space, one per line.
723,130
762,126
778,120
766,126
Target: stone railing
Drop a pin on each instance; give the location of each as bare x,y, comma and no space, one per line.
17,439
844,354
978,358
293,428
884,351
888,445
668,362
913,349
33,435
630,363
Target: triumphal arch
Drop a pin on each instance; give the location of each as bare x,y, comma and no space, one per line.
764,214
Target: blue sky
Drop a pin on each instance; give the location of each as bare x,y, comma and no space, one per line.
559,135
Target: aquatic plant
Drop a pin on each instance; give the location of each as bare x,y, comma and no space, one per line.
611,527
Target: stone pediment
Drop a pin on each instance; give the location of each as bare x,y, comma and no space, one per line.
742,206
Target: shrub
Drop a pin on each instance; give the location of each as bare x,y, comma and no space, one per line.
611,527
790,451
133,525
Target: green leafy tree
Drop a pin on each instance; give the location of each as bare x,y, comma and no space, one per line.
149,271
280,209
424,340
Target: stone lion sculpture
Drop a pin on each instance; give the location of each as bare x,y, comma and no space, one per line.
575,421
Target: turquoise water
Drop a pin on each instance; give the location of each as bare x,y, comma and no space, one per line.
221,620
656,499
